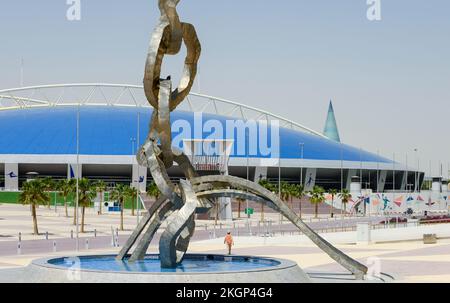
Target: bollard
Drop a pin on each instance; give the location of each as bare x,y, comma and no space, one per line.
71,234
46,235
19,248
86,244
113,243
95,233
20,237
54,246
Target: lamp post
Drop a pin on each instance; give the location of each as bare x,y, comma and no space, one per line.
342,168
138,189
416,173
302,146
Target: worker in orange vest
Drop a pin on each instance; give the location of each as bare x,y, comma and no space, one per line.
229,242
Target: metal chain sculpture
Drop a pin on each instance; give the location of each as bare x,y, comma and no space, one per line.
179,203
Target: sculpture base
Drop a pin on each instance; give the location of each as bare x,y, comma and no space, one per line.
195,269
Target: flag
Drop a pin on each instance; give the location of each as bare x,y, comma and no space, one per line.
419,198
410,198
445,198
375,202
72,174
367,200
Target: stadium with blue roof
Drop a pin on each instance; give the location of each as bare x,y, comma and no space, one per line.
39,134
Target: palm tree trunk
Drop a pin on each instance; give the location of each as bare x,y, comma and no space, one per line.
300,208
65,207
35,224
82,219
132,206
101,202
121,216
316,210
239,209
331,209
74,214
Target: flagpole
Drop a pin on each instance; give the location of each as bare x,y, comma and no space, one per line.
393,178
378,170
138,188
406,172
78,175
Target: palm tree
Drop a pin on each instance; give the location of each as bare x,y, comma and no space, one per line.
86,194
100,188
119,194
269,186
65,188
298,192
49,185
345,198
240,201
333,192
317,197
153,190
286,192
132,194
33,193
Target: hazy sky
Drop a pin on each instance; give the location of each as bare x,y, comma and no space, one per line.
389,79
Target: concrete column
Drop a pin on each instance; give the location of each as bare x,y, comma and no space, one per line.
363,235
141,178
72,171
310,179
403,184
11,176
260,172
382,181
350,174
436,186
225,209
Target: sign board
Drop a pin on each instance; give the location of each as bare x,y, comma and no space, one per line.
249,211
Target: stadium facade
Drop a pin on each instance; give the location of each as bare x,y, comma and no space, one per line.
39,134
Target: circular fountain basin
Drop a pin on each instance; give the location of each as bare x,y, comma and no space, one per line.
196,268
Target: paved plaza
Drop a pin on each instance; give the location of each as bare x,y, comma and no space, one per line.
405,258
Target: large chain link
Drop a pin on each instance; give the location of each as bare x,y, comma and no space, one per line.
167,39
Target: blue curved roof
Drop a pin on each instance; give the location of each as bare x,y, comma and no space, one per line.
106,130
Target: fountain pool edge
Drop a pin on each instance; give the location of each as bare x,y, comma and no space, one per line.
286,271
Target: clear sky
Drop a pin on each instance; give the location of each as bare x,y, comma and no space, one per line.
389,79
